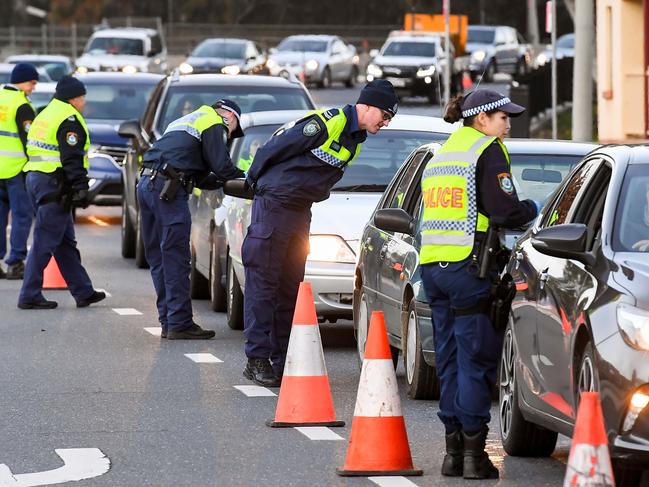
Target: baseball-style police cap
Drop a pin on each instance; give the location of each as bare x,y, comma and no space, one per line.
232,107
23,72
487,101
380,93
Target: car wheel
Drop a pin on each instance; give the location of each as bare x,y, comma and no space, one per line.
140,258
325,82
490,71
218,295
421,378
519,437
361,326
587,378
128,233
198,283
235,299
353,76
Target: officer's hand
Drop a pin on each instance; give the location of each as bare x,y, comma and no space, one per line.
210,182
81,198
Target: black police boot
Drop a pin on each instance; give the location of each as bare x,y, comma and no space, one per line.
194,332
453,463
16,271
44,304
163,333
260,371
95,297
476,461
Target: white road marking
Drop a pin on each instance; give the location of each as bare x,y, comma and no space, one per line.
392,481
203,358
318,433
154,330
126,311
78,464
255,391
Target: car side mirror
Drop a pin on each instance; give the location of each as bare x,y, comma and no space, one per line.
131,129
394,220
238,188
567,241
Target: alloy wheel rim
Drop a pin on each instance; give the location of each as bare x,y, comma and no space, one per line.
506,385
230,287
411,346
361,333
586,381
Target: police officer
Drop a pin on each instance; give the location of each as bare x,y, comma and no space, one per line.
57,179
192,151
467,187
289,173
16,116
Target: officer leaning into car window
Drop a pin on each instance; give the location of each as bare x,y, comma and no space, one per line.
466,188
192,152
289,173
16,116
57,180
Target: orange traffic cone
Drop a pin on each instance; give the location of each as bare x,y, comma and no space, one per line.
52,278
379,442
467,82
589,462
305,395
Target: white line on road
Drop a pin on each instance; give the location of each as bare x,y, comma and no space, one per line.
154,330
203,358
126,311
318,433
255,391
392,481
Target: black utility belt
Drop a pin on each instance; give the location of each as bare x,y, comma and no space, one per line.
174,180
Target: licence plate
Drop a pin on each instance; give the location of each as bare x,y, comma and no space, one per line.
397,82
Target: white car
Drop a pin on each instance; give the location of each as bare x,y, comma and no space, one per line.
56,66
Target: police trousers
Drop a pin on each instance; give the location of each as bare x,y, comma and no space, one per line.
467,348
274,254
14,198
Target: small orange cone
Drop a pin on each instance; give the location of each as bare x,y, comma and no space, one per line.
52,278
589,462
467,82
305,395
379,442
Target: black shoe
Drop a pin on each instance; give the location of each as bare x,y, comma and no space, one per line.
453,464
163,333
260,372
194,332
476,461
16,271
3,275
45,304
95,297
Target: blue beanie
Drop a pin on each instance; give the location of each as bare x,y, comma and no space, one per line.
69,87
23,72
380,93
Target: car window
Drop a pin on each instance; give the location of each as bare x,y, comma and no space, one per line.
481,36
156,45
302,45
590,208
405,48
116,46
116,101
631,225
244,151
399,189
149,114
216,48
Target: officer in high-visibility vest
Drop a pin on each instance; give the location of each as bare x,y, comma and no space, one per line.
16,116
294,169
192,152
57,179
466,187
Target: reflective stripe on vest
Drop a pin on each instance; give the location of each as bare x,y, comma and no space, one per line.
12,152
42,145
450,217
332,152
197,122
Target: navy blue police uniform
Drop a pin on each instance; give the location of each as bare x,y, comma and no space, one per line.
201,156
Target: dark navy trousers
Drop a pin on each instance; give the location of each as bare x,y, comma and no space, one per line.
53,236
166,226
467,348
14,198
274,254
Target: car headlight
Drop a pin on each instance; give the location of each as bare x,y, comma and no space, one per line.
271,64
129,69
374,70
330,248
541,59
231,69
91,182
478,56
186,68
82,69
311,65
634,326
425,71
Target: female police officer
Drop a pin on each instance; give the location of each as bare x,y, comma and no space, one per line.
467,187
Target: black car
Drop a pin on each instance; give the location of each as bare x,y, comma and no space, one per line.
227,56
176,96
580,319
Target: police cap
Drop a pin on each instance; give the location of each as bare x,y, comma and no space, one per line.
487,101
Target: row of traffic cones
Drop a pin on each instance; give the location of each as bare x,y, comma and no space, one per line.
378,444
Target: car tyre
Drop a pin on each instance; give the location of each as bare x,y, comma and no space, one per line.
128,233
198,283
325,81
235,299
218,294
353,76
519,437
421,378
140,258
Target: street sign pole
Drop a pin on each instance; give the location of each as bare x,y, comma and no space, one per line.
447,49
553,26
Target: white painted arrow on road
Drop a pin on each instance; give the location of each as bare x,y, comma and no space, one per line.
78,464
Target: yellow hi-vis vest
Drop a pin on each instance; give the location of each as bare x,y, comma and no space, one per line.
332,152
450,217
42,145
196,122
12,152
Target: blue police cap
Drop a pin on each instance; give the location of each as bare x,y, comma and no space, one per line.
233,107
487,101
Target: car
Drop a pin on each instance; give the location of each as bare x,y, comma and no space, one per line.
6,69
128,49
42,95
104,179
497,49
227,56
177,95
580,318
319,59
414,63
56,66
565,48
387,276
333,240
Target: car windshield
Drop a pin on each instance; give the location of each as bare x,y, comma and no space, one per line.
302,45
567,41
234,50
481,36
631,226
182,100
116,101
40,99
537,175
116,46
56,70
401,48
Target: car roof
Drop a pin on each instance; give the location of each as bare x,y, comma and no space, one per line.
400,35
120,78
38,57
629,153
321,37
227,79
125,31
233,40
545,146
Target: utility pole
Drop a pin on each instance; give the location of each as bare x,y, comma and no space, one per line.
447,50
532,23
582,90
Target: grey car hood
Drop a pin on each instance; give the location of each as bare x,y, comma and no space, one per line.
343,214
403,60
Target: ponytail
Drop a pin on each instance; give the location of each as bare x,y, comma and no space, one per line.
453,112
